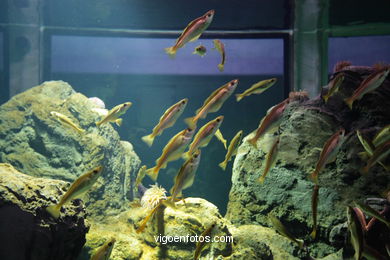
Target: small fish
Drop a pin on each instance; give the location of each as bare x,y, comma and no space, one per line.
200,245
232,150
270,160
382,136
220,47
66,120
328,152
356,232
372,212
114,114
333,86
369,148
142,224
314,206
220,137
203,136
104,252
283,231
214,102
380,153
257,88
167,120
140,175
186,175
172,151
372,82
271,120
78,187
192,32
200,50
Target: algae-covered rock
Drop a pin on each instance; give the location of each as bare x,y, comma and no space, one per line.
27,231
287,191
35,142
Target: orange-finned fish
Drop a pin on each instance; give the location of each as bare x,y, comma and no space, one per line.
382,136
270,160
192,32
78,187
220,137
257,88
172,151
220,47
114,114
356,231
278,225
140,176
66,120
200,50
206,239
369,149
167,120
104,252
186,175
271,120
203,136
333,86
214,102
314,206
232,150
373,81
328,152
380,153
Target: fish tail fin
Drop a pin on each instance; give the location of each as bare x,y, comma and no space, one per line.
223,165
148,139
349,102
118,122
190,122
313,234
326,97
81,131
152,173
171,51
301,243
261,179
98,124
221,67
186,155
253,142
54,210
238,97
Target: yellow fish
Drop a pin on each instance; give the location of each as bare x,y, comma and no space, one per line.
283,230
328,152
220,137
372,82
167,120
114,114
104,252
207,236
186,175
66,120
220,47
192,32
380,153
140,175
369,149
257,88
382,136
214,102
271,120
78,187
270,159
356,231
232,150
334,86
172,151
314,206
203,136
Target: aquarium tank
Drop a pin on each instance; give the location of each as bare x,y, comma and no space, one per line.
133,129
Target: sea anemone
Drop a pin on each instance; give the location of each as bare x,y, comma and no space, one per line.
152,196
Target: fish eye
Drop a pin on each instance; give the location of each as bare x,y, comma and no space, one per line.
183,102
95,171
218,119
189,129
110,244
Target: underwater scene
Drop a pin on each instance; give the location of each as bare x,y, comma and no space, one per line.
176,130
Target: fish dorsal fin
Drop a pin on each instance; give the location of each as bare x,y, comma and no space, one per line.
211,97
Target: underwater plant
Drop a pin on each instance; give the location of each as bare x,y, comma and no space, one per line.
153,196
